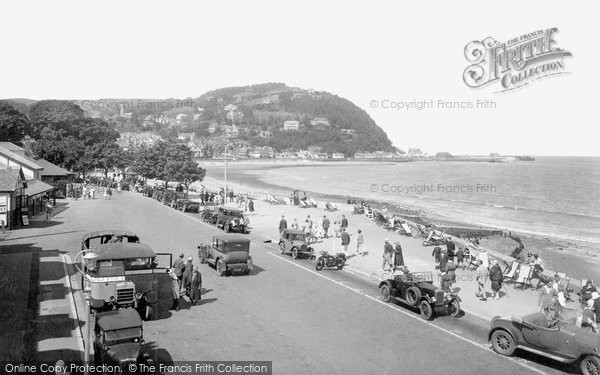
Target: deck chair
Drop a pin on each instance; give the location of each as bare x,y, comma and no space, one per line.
510,273
313,203
303,204
472,261
565,282
524,275
406,228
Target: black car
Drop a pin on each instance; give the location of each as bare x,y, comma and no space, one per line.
119,340
417,290
187,205
230,220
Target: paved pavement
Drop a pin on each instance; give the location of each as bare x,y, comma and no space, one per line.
304,321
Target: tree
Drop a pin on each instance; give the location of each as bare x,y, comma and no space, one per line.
14,125
56,115
57,148
107,155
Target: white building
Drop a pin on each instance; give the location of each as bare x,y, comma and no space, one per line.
319,121
291,125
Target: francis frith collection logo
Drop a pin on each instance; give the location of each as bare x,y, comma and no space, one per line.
514,63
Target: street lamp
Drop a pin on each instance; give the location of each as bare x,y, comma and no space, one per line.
89,261
225,197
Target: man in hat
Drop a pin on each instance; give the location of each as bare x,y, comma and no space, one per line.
178,268
282,224
388,250
187,275
196,286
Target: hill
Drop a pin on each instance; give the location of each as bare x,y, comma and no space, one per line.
326,122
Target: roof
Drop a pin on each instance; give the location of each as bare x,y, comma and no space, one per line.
29,163
107,232
9,178
118,319
51,169
232,238
12,147
294,231
35,187
123,250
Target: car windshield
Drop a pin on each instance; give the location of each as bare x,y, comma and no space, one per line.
121,335
296,237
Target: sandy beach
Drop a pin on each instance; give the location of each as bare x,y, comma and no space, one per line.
577,261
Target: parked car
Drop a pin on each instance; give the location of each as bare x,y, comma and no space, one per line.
417,290
229,252
563,342
209,215
230,220
119,340
187,205
295,241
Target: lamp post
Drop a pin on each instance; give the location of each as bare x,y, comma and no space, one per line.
225,197
89,261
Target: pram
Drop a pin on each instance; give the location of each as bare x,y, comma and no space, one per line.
379,217
421,232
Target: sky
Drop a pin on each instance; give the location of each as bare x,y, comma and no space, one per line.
373,53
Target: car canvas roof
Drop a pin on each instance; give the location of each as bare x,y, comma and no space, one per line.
231,238
107,232
123,250
294,231
118,319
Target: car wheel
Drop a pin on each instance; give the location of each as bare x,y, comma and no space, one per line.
311,253
413,296
503,343
590,365
320,264
425,243
295,253
453,308
426,310
340,263
386,293
220,267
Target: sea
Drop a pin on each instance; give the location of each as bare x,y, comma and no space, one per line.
555,197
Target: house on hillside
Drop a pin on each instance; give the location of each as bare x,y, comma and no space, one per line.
265,134
337,155
415,153
320,121
348,131
232,131
291,125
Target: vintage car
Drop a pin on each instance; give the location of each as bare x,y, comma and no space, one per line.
229,252
119,340
417,290
209,215
563,342
295,240
187,205
125,273
230,220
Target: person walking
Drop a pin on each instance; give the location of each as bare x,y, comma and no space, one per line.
450,249
344,224
178,268
187,275
326,225
360,241
282,224
175,287
437,255
196,286
251,205
337,226
49,209
496,277
388,250
295,224
345,241
460,255
443,260
482,275
398,256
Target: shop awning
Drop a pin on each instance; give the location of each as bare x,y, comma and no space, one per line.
36,188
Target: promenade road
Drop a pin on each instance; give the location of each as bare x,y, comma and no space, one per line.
305,322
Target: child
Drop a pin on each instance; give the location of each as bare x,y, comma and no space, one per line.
360,241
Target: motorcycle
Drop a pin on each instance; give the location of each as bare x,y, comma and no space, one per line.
143,303
325,259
